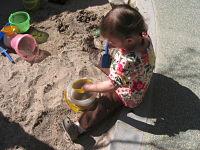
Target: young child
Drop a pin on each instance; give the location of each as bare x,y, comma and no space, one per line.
130,71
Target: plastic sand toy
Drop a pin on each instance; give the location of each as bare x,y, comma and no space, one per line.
10,30
76,99
31,5
4,52
21,20
25,46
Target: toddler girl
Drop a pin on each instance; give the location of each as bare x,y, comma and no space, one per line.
130,71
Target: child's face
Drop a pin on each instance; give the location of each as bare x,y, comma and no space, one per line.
124,43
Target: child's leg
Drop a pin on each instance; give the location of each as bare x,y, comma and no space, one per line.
106,105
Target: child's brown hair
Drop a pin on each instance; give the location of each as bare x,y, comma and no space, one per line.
122,21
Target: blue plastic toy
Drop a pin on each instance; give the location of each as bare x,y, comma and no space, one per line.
1,35
106,58
4,52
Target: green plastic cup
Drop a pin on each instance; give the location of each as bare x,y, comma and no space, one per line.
21,20
31,4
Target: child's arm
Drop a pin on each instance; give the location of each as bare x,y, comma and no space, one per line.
104,86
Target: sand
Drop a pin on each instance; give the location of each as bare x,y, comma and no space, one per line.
31,94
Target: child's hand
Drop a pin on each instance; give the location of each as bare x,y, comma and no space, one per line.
86,87
78,85
104,86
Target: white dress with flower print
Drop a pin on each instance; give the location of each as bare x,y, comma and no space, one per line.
132,72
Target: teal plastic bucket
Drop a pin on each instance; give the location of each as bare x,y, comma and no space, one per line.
31,4
21,20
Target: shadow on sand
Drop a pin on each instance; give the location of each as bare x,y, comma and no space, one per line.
47,9
12,135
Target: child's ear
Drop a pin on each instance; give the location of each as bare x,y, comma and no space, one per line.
130,40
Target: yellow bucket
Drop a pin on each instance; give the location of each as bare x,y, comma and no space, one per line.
75,103
72,106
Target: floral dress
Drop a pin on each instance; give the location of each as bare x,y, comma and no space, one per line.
131,73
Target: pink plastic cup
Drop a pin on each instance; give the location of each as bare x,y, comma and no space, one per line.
25,46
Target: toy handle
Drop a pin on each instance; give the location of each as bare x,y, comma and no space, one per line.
4,51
